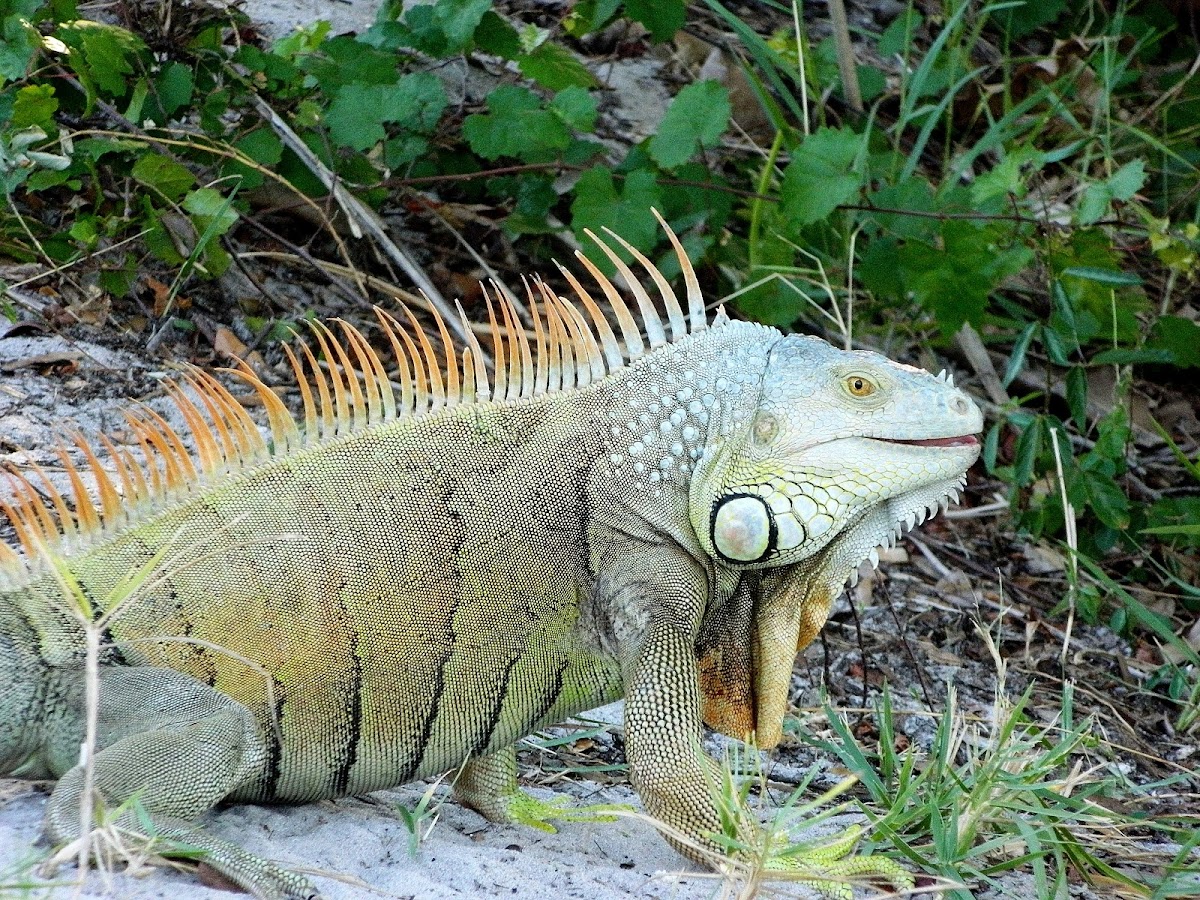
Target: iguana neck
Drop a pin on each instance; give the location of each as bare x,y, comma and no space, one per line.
662,417
664,411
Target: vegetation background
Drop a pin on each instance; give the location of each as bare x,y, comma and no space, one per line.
1009,189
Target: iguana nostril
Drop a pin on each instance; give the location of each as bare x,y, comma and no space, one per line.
959,405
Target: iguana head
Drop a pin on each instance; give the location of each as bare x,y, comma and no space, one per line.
814,457
832,435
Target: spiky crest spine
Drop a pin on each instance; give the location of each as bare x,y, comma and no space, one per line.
571,347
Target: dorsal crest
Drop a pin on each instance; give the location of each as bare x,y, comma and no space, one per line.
345,386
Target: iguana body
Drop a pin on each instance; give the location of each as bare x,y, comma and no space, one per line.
404,583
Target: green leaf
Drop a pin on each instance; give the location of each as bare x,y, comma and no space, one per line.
991,447
1058,352
696,118
358,113
458,19
1128,180
589,15
173,87
212,210
555,67
105,53
85,231
1089,266
1016,359
19,41
302,41
772,303
1029,448
1121,185
914,194
955,280
871,82
1112,441
1077,393
35,105
535,196
1178,336
1175,516
1064,313
1008,178
263,147
158,239
343,61
897,38
1023,18
496,36
440,29
1125,357
662,17
1105,497
879,269
163,174
576,107
516,125
118,281
821,175
1193,530
599,204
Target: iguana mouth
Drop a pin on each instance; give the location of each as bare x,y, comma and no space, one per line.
961,440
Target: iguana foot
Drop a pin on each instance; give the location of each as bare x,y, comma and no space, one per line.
524,809
828,868
488,785
221,864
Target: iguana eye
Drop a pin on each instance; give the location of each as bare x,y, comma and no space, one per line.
860,386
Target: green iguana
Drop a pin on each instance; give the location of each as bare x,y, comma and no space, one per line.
435,562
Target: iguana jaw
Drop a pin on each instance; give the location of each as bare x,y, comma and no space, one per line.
790,510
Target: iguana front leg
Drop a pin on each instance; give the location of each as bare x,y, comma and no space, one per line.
675,778
680,785
176,748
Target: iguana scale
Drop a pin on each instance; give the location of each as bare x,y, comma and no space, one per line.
437,561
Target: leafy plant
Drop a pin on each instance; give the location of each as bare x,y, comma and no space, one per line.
986,798
421,819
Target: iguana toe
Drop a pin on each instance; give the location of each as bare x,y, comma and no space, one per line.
830,870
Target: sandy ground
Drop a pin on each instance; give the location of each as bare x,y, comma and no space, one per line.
360,848
279,17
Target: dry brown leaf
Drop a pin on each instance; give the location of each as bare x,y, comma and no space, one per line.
159,291
229,344
63,362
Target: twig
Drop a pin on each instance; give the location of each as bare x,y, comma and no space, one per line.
362,219
976,354
847,66
938,566
492,274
